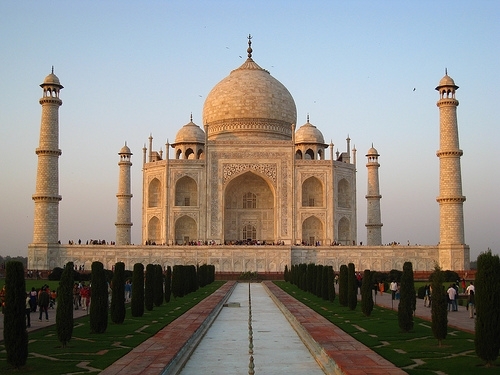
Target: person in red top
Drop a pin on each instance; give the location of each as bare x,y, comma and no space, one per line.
84,294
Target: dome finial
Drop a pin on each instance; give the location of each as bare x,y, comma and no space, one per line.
249,49
52,69
308,118
445,71
191,118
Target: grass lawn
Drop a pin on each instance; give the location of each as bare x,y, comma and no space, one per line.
416,352
88,351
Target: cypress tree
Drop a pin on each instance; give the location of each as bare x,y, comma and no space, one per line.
285,274
158,287
408,299
193,278
343,285
168,283
137,303
310,278
487,297
177,280
64,311
118,294
324,284
331,284
149,287
99,301
14,320
366,293
438,306
318,292
352,287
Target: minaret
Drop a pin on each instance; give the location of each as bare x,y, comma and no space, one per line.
123,217
373,217
453,253
46,197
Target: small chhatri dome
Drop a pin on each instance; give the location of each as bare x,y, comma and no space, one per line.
52,79
249,103
190,133
125,150
446,81
308,133
372,152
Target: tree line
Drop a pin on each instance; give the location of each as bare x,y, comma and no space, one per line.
320,281
150,287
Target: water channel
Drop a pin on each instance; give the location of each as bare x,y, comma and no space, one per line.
277,349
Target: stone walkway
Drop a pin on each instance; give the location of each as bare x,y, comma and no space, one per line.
276,349
456,319
335,350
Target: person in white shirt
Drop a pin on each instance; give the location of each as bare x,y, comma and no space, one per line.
471,293
394,288
451,297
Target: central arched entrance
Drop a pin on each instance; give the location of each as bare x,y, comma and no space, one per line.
249,210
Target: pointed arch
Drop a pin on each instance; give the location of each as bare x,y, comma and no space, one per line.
344,193
312,231
344,231
186,192
154,196
309,155
154,235
185,230
249,200
312,193
189,154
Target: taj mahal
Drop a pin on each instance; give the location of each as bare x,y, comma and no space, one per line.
249,190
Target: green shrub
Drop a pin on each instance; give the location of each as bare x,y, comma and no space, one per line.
487,297
14,320
311,278
438,306
168,283
324,283
149,287
158,286
64,311
352,287
318,291
137,302
56,273
367,293
331,284
407,303
118,294
343,285
99,299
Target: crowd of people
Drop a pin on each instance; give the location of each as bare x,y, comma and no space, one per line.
452,296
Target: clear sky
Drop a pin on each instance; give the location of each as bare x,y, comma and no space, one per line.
367,69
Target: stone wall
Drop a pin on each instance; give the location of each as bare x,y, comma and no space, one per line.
237,258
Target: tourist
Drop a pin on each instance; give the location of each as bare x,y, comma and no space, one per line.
28,310
471,299
33,299
426,295
76,296
381,288
84,296
43,303
128,290
451,293
394,288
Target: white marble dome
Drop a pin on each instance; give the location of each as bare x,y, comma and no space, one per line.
190,133
308,133
249,103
